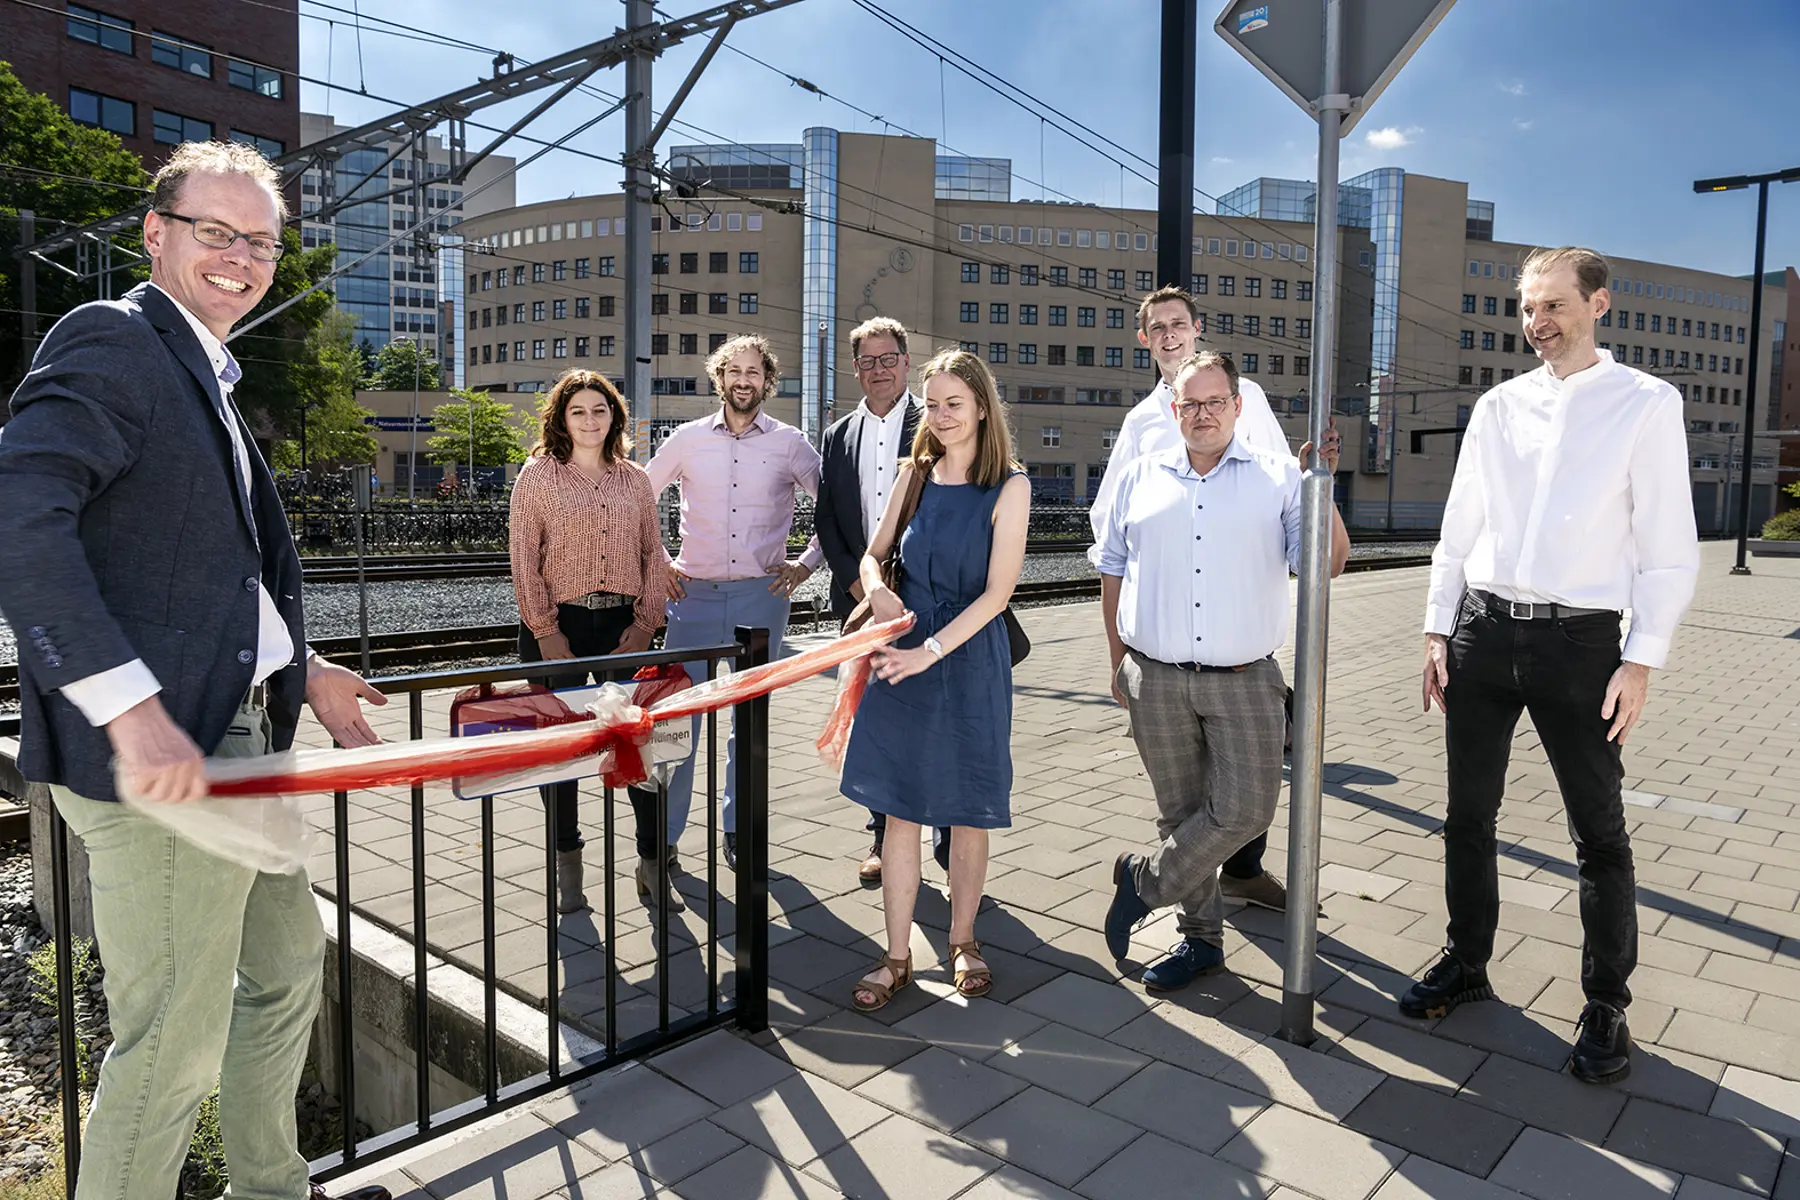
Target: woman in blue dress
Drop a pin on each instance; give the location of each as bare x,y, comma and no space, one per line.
932,740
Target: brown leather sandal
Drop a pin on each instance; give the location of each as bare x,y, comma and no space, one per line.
902,972
980,977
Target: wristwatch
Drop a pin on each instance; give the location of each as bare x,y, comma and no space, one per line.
936,649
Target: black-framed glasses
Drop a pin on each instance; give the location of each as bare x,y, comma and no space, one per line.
869,362
1189,409
220,237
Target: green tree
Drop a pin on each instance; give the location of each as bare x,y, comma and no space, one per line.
399,366
499,430
280,356
324,378
66,174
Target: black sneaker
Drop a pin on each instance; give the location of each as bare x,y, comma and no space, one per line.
1602,1045
1450,983
731,850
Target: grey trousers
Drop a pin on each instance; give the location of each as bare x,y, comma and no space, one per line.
1211,745
213,973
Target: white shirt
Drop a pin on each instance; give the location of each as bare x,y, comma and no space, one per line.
1574,491
1203,560
878,458
1152,427
104,696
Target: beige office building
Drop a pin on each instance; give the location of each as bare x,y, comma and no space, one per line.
840,227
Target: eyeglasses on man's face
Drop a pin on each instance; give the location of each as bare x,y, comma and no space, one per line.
869,362
1187,410
220,237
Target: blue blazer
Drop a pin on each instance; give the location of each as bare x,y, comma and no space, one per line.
126,533
838,514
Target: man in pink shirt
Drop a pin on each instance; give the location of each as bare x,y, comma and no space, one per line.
738,470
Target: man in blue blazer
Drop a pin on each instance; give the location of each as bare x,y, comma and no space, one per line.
147,571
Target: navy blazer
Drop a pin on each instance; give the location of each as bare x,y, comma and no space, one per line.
838,514
126,533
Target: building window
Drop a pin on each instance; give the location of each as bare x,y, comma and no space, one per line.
1465,375
996,352
537,348
718,262
714,341
581,268
1469,302
1084,318
100,29
583,308
559,270
606,264
1250,364
1226,324
718,302
659,304
261,80
1084,356
1487,339
1512,306
1252,326
1059,277
1228,285
1145,281
171,129
659,344
1028,354
1052,435
970,311
1509,343
1197,285
559,348
108,112
608,305
1028,314
690,343
1059,314
999,274
1489,306
267,147
1506,373
500,352
747,302
1115,280
747,262
168,50
1057,356
1253,286
1302,364
997,314
1303,328
1278,289
969,347
537,310
1466,339
1303,292
581,347
1115,318
1277,364
690,263
607,343
1140,358
1487,377
1278,327
1088,277
537,272
1028,275
1115,356
559,310
659,264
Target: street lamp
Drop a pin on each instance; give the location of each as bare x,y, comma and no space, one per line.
1732,183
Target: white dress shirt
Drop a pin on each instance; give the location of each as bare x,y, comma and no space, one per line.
878,458
1203,559
1574,491
1152,427
104,696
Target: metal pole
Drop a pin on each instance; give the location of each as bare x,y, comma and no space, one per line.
412,453
639,184
1297,982
1756,297
68,1033
824,377
750,720
28,304
1393,455
1175,145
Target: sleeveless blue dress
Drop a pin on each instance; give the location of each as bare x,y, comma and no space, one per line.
936,748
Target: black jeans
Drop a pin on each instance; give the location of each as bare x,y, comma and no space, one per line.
1557,669
590,631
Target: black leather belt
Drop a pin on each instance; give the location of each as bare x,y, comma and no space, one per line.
602,600
258,696
1208,668
1520,610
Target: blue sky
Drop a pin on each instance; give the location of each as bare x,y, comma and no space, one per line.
1583,120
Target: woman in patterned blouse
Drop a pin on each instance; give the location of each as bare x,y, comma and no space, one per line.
589,572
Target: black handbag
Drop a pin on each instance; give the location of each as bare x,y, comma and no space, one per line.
1016,641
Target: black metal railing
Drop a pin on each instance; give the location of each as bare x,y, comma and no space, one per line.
750,927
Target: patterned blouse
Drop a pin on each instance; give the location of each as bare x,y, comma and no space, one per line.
572,536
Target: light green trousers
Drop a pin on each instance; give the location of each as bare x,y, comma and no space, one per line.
213,973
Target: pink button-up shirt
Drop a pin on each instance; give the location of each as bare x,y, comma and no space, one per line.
737,494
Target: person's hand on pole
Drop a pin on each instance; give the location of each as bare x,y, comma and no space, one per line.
156,758
1437,671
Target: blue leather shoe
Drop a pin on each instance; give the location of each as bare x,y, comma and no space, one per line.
1126,911
1187,962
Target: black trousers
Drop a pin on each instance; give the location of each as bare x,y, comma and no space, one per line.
1557,669
590,631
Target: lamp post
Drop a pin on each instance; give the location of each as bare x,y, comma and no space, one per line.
1734,183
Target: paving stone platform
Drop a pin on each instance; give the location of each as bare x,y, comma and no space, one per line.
1071,1081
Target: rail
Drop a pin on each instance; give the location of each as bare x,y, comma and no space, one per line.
750,927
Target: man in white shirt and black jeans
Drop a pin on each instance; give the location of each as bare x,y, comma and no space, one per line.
1168,326
1195,548
1570,504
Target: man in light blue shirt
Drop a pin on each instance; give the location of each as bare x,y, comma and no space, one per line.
1195,548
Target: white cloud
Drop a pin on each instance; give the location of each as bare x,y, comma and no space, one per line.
1523,126
1513,87
1221,161
1390,138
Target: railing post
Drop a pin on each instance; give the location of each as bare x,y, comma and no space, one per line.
750,722
68,1036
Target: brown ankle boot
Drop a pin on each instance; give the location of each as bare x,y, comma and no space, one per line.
569,897
649,878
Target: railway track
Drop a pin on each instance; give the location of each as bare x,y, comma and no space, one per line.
424,647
